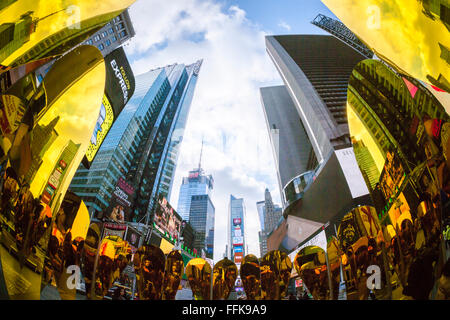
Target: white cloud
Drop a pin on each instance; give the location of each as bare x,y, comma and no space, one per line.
226,109
284,25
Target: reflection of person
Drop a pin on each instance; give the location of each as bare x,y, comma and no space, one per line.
9,191
443,292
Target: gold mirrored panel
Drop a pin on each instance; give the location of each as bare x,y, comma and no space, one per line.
198,272
400,137
224,277
251,277
42,149
33,29
275,273
114,255
311,266
334,262
90,257
149,263
174,270
413,36
357,235
65,246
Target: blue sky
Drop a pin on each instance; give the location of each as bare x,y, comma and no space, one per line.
296,13
226,110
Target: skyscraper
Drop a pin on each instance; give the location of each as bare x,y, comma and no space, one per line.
270,214
201,218
196,183
139,146
326,181
236,231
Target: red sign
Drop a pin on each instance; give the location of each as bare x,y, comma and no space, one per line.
237,221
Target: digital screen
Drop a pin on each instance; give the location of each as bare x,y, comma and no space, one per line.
166,218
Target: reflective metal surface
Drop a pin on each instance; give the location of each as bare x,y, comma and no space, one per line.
400,137
310,263
224,277
66,244
334,262
251,277
42,146
198,272
275,269
90,256
413,36
149,263
174,270
45,28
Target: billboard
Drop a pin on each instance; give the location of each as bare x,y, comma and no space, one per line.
114,229
133,237
166,219
119,88
119,209
238,241
237,221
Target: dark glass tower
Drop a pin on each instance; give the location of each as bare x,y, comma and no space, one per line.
142,145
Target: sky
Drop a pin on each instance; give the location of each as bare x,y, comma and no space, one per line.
226,111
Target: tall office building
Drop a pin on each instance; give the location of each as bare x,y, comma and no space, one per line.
310,113
114,34
140,147
270,215
196,183
236,230
201,218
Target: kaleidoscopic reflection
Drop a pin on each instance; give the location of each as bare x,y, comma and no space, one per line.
225,274
198,272
251,277
149,263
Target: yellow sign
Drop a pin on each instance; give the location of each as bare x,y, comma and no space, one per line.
104,123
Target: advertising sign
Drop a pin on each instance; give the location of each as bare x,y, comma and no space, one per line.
120,206
104,123
133,237
11,112
238,241
119,88
167,219
238,232
59,172
114,229
237,221
238,249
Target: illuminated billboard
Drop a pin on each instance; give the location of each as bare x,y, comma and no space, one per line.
119,88
166,219
238,241
237,221
119,209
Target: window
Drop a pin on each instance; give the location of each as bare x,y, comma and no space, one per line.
113,38
96,38
117,19
123,34
104,34
108,43
101,46
110,30
120,26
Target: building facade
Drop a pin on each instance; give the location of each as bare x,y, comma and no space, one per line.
137,145
201,218
326,182
236,230
196,183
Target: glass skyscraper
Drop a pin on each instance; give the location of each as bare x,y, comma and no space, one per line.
142,145
197,183
201,218
236,230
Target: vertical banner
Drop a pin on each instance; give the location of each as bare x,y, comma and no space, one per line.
119,88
